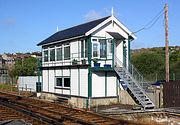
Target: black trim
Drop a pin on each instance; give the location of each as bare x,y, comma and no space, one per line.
62,88
104,97
64,67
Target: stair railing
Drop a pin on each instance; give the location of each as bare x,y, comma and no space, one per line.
134,74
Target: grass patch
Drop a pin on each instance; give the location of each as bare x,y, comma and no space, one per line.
8,87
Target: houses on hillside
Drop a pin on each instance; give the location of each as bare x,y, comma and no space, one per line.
7,61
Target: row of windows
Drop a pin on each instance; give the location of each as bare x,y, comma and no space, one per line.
63,52
60,53
100,49
63,82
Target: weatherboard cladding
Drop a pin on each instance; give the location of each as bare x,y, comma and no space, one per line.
75,31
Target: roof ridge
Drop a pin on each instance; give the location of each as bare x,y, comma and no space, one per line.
84,23
74,31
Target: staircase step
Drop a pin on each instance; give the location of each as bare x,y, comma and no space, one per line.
136,91
149,106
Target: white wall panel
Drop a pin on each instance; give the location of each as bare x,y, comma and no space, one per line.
66,72
51,80
98,84
74,81
74,47
84,82
45,80
110,28
66,92
58,72
119,50
59,91
111,84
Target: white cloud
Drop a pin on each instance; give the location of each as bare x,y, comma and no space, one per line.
92,15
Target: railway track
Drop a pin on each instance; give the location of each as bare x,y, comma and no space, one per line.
8,115
52,113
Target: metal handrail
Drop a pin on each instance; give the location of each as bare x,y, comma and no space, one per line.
118,63
134,74
75,58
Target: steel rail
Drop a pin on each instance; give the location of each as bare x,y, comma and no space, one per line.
50,110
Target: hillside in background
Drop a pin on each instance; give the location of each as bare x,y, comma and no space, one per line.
151,62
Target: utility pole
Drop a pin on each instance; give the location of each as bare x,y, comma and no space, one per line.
166,42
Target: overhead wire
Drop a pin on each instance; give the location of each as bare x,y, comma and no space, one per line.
152,22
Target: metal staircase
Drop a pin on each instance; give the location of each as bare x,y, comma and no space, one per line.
135,83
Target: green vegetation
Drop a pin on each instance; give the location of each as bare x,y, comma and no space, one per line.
151,62
8,87
23,67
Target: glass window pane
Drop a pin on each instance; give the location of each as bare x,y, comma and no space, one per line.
102,48
109,46
82,48
86,48
59,54
66,82
67,53
95,49
52,55
59,82
46,56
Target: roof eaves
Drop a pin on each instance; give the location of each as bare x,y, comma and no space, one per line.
64,40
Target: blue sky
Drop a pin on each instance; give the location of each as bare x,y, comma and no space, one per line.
24,23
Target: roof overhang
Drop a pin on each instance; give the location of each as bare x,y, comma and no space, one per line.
116,35
72,38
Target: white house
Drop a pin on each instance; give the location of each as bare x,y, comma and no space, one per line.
86,63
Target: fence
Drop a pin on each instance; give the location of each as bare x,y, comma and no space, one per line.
171,94
28,83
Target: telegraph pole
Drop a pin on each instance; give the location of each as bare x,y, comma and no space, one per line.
166,42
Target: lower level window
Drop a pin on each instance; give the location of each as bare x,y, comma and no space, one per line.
66,82
59,82
63,82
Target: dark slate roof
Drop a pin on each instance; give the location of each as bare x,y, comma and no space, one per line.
78,30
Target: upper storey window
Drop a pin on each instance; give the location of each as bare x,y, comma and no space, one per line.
66,52
103,48
52,54
84,48
46,55
59,54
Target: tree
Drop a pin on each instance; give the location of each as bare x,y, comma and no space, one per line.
24,67
149,64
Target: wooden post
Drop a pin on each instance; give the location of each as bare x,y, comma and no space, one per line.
166,42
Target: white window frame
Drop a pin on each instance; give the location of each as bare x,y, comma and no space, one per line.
95,41
56,82
60,47
50,54
84,49
62,77
67,45
100,48
44,56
